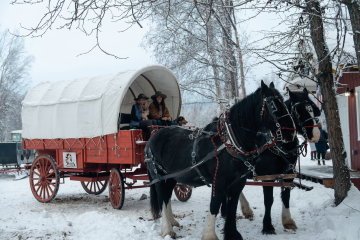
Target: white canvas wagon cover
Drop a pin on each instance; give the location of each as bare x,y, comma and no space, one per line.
90,107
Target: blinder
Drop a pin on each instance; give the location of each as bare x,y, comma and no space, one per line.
310,110
269,102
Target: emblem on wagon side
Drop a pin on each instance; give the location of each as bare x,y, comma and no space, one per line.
69,160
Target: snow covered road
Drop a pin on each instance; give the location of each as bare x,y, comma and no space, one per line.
74,214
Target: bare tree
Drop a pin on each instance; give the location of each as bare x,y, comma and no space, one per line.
354,10
325,79
200,47
14,68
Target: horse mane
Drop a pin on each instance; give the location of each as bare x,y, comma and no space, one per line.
245,113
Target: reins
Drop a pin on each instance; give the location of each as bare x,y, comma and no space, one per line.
229,145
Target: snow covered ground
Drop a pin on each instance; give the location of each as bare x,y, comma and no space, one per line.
75,214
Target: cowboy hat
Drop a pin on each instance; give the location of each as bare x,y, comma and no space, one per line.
158,93
141,96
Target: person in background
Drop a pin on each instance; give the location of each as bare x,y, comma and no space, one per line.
159,111
321,145
139,114
313,151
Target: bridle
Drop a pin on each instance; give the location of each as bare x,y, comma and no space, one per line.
295,114
269,102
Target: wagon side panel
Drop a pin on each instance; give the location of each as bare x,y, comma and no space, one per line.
138,149
52,153
96,150
120,148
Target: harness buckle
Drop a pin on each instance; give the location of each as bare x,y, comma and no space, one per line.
193,154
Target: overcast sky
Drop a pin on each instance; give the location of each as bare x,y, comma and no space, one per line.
56,52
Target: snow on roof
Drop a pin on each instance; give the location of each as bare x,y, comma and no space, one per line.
90,107
16,131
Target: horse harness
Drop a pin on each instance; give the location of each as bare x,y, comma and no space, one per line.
229,143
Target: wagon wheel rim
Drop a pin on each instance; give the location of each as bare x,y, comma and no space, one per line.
95,188
44,178
116,189
183,192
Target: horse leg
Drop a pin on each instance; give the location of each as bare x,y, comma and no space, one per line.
209,229
170,184
168,220
268,228
234,191
286,219
224,206
215,203
245,207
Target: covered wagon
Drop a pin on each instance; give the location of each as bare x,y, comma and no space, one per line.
76,128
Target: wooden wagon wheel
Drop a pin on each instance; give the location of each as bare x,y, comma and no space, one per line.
116,189
96,188
44,178
182,192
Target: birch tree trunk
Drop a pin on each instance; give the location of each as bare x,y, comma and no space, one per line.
241,64
326,82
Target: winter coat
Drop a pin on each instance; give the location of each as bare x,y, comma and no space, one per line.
136,115
323,136
321,144
154,112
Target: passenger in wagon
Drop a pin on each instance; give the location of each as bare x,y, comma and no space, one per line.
159,111
139,114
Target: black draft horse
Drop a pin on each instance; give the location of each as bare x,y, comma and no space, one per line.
170,151
304,112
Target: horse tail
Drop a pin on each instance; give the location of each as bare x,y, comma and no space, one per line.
154,201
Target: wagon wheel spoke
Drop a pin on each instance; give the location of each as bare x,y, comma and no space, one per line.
97,185
37,168
38,189
37,173
87,184
37,184
51,190
46,167
49,174
47,190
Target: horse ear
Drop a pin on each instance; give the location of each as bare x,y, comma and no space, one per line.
272,85
264,87
305,91
292,96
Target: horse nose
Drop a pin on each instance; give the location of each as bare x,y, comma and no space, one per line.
316,135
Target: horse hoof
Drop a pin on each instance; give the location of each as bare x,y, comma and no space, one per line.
268,232
249,216
175,223
236,237
290,225
209,237
171,233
